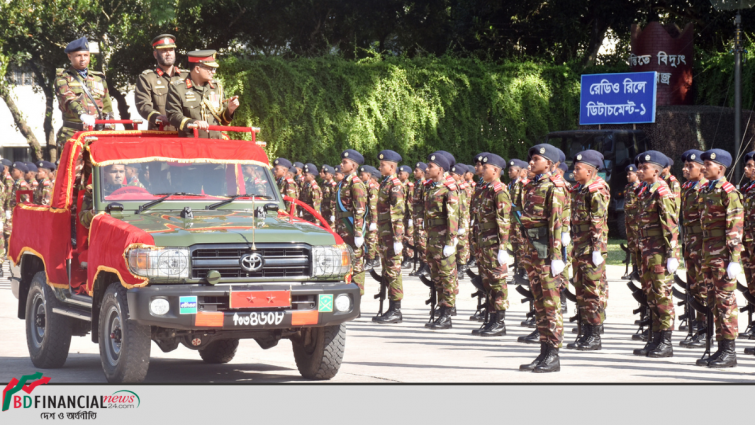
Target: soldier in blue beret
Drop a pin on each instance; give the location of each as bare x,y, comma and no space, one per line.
465,196
389,155
421,166
418,218
327,208
372,259
404,172
672,182
286,185
311,194
351,208
517,180
748,259
18,173
631,206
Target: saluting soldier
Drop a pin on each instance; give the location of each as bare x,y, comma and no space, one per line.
43,194
311,193
82,93
748,253
631,211
286,185
199,98
418,218
542,217
391,213
371,241
723,226
351,208
328,191
465,194
151,92
404,172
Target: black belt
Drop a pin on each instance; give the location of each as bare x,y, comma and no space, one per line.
74,125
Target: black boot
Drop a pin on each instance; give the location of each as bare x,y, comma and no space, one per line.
478,316
444,321
698,339
651,344
485,324
664,347
750,351
538,359
747,334
564,306
551,362
393,315
728,356
472,261
452,312
533,338
591,341
580,339
369,265
497,326
407,264
531,322
643,336
418,270
461,271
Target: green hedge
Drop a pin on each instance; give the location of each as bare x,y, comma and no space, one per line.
714,77
312,109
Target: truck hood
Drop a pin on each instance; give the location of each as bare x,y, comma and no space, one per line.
223,226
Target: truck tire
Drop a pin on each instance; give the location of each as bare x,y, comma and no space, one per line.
219,351
319,352
124,344
48,334
621,225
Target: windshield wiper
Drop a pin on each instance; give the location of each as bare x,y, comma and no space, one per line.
233,198
165,196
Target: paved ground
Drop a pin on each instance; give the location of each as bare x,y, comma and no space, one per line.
404,353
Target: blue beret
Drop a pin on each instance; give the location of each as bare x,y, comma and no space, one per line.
669,161
451,158
494,160
6,162
517,163
652,157
545,150
31,167
310,168
327,169
370,170
422,166
20,166
479,156
337,169
77,45
693,155
353,155
563,167
50,166
389,155
637,159
299,165
459,169
404,169
719,156
375,172
590,157
630,167
749,156
292,170
441,160
283,162
561,155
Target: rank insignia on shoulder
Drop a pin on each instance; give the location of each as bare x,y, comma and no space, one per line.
451,184
396,181
411,184
728,187
557,181
497,187
672,178
594,187
356,179
663,191
291,181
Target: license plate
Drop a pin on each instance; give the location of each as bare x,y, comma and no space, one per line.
259,299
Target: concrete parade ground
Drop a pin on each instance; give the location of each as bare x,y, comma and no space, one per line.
407,352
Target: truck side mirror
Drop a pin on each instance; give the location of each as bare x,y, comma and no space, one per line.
113,206
271,207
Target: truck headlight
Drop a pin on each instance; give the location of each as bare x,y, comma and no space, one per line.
331,261
159,262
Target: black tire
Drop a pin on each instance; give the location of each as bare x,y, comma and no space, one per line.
124,344
319,352
48,334
621,225
220,351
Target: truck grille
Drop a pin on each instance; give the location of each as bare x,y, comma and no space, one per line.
278,261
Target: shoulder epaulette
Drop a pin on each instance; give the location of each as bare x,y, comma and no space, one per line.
595,187
672,178
148,71
333,183
356,179
396,181
557,181
497,187
315,186
97,73
46,183
463,185
59,71
410,184
573,188
663,191
728,187
291,181
450,184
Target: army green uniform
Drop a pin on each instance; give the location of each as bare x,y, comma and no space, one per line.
328,192
474,202
462,248
409,189
516,237
492,224
676,190
73,100
441,220
723,226
19,184
43,193
542,217
693,241
372,218
188,103
563,278
748,253
351,206
311,195
86,214
287,187
418,209
151,94
391,205
631,211
7,191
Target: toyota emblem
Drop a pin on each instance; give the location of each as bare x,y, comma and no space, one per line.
251,262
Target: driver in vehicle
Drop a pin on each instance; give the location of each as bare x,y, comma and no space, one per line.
114,178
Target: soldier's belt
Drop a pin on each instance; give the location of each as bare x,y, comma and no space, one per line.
486,226
74,125
648,233
435,222
580,227
714,233
344,214
694,229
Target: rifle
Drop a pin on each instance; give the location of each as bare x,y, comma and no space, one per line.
383,288
480,294
749,308
688,311
577,317
627,261
708,312
644,309
684,318
528,297
433,296
414,260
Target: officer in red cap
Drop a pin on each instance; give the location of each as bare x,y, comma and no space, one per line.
151,92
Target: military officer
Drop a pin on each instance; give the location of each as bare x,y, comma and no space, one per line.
43,194
199,98
18,172
673,183
31,176
328,190
473,203
286,185
151,92
351,208
404,172
82,93
132,175
299,176
418,211
631,206
337,177
465,195
371,241
517,180
311,193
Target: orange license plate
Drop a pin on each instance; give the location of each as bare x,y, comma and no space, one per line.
260,299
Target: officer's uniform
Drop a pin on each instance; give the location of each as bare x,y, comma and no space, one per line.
189,102
151,92
351,207
311,195
80,93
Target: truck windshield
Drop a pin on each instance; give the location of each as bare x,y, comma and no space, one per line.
150,180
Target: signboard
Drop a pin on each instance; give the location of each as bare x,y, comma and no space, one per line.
623,98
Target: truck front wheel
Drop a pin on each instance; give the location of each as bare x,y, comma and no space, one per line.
319,351
48,334
124,344
219,351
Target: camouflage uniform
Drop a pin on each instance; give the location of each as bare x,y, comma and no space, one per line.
631,213
371,241
542,211
328,191
188,103
474,204
418,209
492,223
658,240
390,213
311,195
409,189
563,278
19,184
462,249
723,225
7,189
351,206
676,190
73,100
441,225
151,94
43,193
518,241
86,215
287,187
589,208
693,240
748,253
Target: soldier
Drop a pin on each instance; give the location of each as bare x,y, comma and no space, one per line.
516,183
473,203
31,177
286,185
151,92
658,241
589,208
748,253
404,172
417,222
465,195
492,223
371,241
337,177
132,175
542,217
673,183
441,220
43,194
722,222
328,191
311,194
631,212
351,208
391,215
199,98
299,176
18,172
82,93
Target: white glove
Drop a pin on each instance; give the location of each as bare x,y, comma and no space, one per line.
410,223
461,230
456,242
332,219
448,250
398,247
503,257
597,258
557,267
88,120
7,214
566,239
373,227
733,270
672,264
358,241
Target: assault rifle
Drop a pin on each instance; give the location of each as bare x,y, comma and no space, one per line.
383,288
708,312
749,308
684,319
689,313
482,310
627,261
433,300
528,297
644,312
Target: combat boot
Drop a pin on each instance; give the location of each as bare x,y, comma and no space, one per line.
698,339
651,344
750,351
591,341
478,316
664,348
393,315
407,263
728,356
369,265
581,338
472,261
712,357
530,367
530,322
485,324
532,338
643,336
551,362
497,326
425,269
444,321
747,334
